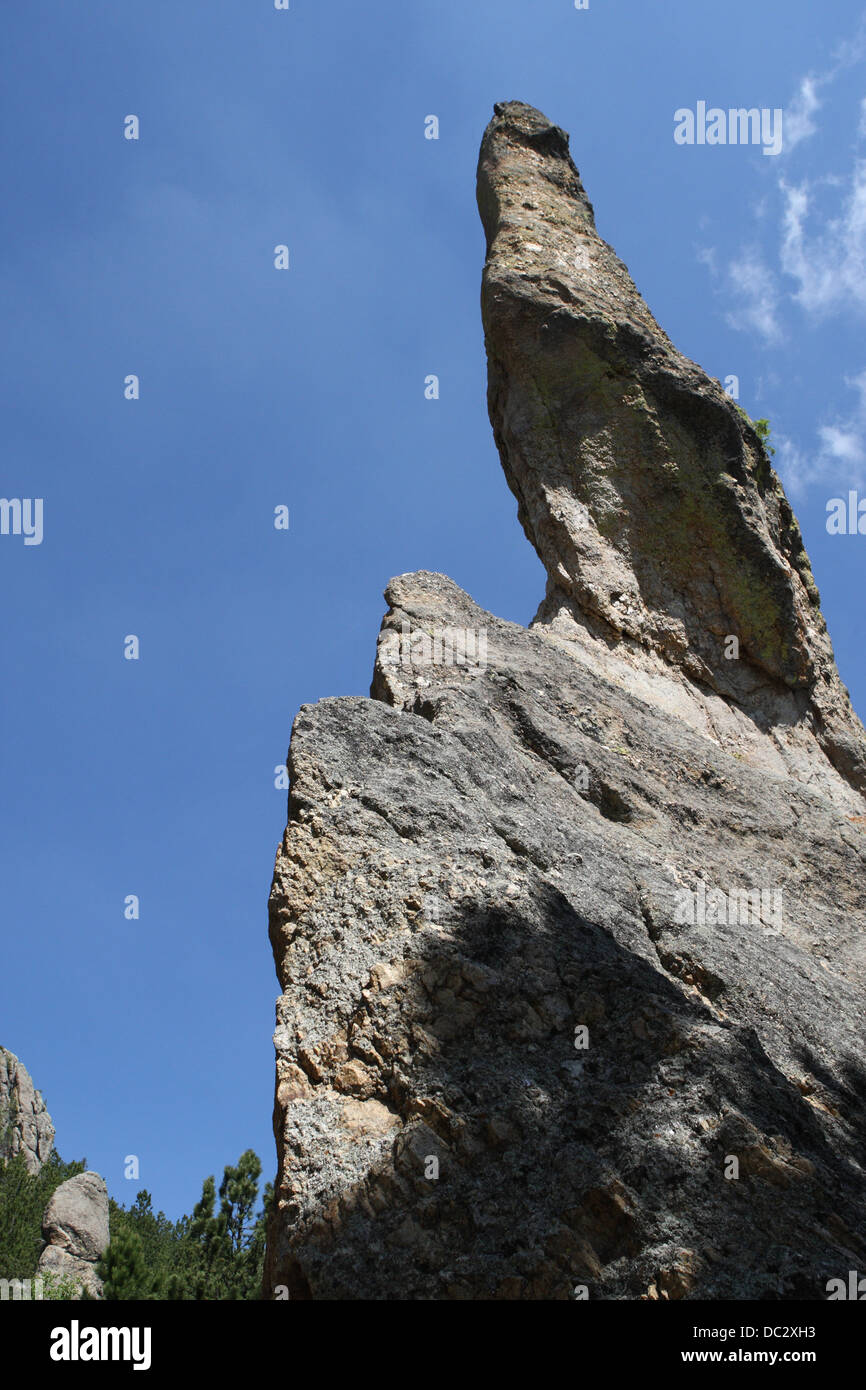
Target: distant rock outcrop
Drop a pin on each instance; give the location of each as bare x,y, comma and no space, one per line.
24,1120
569,919
75,1228
75,1224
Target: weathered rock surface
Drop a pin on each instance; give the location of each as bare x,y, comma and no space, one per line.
531,1039
75,1227
646,492
25,1124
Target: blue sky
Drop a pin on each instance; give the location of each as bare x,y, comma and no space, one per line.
305,388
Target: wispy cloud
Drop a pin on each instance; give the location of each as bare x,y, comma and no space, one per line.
839,456
807,253
828,262
820,241
752,283
750,290
797,469
798,122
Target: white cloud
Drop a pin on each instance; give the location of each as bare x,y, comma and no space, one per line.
809,251
843,444
750,291
751,283
824,254
851,51
798,122
796,469
839,458
828,263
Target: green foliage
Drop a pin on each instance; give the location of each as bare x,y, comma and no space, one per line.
762,429
215,1254
23,1199
60,1288
225,1247
123,1269
158,1238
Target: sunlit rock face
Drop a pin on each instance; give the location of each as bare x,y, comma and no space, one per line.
75,1231
568,919
646,492
25,1124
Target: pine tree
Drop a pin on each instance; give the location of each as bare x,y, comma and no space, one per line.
23,1199
160,1238
123,1269
216,1253
223,1249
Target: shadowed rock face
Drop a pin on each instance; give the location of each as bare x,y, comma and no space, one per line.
570,931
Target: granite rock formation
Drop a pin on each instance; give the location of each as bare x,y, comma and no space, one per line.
75,1229
25,1124
645,491
569,919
